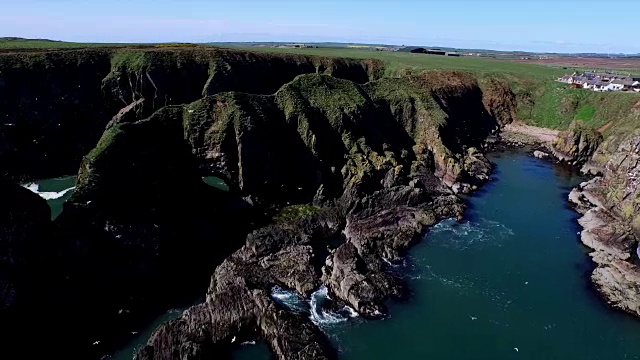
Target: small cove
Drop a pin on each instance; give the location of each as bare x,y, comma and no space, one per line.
56,191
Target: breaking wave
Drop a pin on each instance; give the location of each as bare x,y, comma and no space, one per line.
289,299
47,195
319,314
317,306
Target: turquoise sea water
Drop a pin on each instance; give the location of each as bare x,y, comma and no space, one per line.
510,282
56,191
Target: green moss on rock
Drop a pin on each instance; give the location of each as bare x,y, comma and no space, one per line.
295,213
578,143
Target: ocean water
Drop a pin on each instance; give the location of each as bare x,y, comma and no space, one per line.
56,191
509,282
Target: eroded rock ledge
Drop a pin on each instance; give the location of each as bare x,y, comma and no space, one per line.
367,167
611,222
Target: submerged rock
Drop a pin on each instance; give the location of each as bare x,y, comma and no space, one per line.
540,154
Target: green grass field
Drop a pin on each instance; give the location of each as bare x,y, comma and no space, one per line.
541,100
403,60
20,43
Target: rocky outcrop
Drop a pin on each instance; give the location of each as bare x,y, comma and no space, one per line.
610,223
500,100
140,225
367,166
301,255
351,150
576,145
55,105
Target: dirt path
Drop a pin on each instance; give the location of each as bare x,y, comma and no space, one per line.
537,133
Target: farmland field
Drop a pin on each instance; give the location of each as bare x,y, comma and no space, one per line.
541,100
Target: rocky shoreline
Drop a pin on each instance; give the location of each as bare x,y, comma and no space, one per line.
346,246
607,204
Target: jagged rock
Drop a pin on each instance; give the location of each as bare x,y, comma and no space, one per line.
601,232
610,224
540,154
142,225
127,114
618,281
577,144
238,307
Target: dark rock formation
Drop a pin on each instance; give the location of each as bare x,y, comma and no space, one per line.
347,148
55,105
141,225
576,145
25,223
377,162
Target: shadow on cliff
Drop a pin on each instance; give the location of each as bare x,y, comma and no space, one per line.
55,105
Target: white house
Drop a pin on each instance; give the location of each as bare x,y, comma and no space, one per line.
600,86
615,85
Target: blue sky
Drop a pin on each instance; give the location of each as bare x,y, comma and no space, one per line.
535,25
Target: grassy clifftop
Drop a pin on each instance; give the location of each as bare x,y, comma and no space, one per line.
55,104
541,101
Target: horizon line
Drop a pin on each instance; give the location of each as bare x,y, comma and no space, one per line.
324,42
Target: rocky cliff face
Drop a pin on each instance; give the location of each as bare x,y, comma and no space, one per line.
577,144
611,204
55,105
370,157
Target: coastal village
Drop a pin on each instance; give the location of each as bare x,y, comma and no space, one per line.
602,81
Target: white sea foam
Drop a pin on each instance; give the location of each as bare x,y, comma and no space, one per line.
290,299
47,195
351,311
319,314
315,306
466,235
